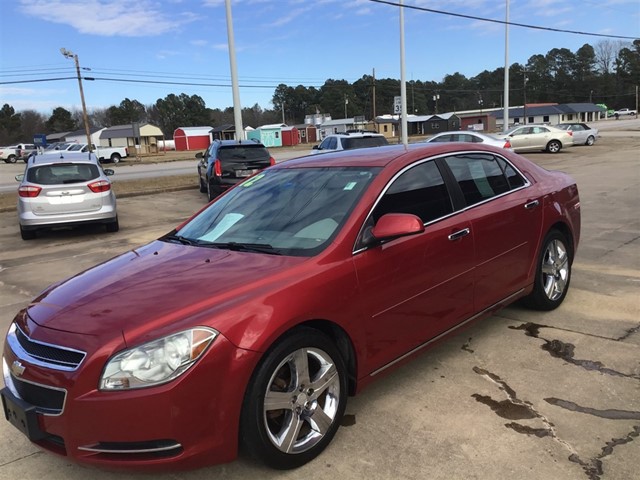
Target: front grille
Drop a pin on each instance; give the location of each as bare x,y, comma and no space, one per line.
47,400
52,355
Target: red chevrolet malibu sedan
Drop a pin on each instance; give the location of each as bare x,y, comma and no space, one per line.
251,323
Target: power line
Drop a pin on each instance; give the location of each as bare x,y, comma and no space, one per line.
502,22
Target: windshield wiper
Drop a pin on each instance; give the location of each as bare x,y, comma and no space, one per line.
181,239
244,247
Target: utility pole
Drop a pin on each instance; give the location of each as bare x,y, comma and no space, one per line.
85,118
505,115
374,94
283,113
524,94
403,80
237,108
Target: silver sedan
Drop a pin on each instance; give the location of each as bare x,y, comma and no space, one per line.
470,136
583,134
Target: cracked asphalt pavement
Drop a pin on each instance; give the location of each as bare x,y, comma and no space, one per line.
521,395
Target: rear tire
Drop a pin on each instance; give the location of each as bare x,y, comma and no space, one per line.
113,226
294,400
590,140
203,185
553,273
115,158
212,191
554,146
27,234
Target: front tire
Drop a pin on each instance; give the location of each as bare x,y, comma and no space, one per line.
295,400
553,273
590,140
554,146
12,159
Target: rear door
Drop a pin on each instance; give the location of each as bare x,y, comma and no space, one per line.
505,213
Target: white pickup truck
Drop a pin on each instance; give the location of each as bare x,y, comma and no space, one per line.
625,111
104,154
13,153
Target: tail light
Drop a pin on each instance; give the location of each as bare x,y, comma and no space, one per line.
29,191
570,133
217,168
99,186
126,150
272,161
507,144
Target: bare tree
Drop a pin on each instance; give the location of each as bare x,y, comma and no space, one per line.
606,54
32,122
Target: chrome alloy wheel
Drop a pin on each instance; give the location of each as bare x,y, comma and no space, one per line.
555,269
302,399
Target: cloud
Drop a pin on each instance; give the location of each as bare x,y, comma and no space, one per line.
289,17
108,18
199,43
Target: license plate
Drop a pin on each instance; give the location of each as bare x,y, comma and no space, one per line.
21,415
245,173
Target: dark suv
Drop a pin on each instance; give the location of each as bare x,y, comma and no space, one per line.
227,162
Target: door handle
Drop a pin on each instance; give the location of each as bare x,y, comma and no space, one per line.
531,205
459,234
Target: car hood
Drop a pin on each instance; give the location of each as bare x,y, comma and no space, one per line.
160,283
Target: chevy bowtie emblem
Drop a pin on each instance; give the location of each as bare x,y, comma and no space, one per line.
17,368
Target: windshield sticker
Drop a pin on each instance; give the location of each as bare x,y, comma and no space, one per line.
349,186
252,180
229,220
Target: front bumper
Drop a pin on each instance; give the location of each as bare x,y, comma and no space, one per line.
188,423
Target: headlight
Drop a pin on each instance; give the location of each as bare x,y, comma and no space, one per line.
156,362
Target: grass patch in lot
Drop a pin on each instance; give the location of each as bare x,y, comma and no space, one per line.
126,188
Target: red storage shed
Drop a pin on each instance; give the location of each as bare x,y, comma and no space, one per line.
290,136
192,138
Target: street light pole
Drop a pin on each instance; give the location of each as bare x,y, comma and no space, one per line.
85,118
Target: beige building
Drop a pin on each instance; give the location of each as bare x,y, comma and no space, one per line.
140,138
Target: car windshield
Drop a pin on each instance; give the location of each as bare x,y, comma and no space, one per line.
75,148
363,142
290,211
511,130
62,173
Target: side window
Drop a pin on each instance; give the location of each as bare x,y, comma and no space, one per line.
514,178
324,144
420,191
479,177
333,143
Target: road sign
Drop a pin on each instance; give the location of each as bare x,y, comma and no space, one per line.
397,105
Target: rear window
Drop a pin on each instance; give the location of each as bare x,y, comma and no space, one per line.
62,174
363,142
241,153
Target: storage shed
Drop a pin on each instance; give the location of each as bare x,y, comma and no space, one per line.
192,138
268,135
308,133
290,136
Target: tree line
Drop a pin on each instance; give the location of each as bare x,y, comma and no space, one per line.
608,73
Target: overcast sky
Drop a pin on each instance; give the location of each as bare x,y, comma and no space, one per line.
277,41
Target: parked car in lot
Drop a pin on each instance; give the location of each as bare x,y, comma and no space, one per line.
529,138
20,151
470,136
251,323
64,190
582,133
227,162
350,141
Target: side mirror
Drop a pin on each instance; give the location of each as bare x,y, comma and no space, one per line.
316,147
199,155
395,225
108,172
19,177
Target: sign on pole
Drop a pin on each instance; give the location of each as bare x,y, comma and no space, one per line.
397,105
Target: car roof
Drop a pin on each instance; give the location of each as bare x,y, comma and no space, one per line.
384,155
226,143
355,134
64,157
